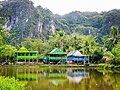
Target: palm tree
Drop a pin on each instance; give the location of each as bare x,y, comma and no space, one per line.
62,35
115,36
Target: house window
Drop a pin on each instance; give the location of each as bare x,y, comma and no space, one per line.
30,54
19,54
27,54
23,54
34,54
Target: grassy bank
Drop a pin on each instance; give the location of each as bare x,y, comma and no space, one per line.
109,66
102,66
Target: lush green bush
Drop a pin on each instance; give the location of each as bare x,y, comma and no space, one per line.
116,53
109,57
9,84
105,65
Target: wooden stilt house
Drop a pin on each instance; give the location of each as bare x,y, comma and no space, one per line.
25,56
77,57
56,56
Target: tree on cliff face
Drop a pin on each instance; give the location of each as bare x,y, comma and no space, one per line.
3,32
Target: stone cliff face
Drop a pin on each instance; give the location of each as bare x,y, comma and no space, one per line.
24,20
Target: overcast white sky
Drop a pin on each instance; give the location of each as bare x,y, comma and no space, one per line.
65,6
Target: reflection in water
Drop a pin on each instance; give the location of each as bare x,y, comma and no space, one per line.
56,76
27,74
76,76
60,76
36,78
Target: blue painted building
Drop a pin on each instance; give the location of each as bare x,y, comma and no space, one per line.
77,57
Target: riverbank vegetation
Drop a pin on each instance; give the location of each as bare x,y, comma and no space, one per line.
7,83
104,50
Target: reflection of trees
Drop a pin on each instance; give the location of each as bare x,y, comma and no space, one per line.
97,80
111,78
8,71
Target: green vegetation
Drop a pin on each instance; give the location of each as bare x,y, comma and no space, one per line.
23,20
116,53
108,52
7,52
108,79
38,29
9,84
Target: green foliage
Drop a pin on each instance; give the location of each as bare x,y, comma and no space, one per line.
36,45
116,53
105,66
112,44
3,34
86,30
85,44
114,31
2,20
32,25
110,41
108,56
114,37
9,84
27,21
98,54
7,52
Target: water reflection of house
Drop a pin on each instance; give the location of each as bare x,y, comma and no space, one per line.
56,56
77,57
27,74
76,76
57,76
25,56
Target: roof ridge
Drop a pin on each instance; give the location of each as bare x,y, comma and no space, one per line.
75,53
23,49
57,51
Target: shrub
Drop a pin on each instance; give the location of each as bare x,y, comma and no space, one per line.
105,66
9,84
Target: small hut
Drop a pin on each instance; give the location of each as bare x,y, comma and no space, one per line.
77,57
25,56
56,56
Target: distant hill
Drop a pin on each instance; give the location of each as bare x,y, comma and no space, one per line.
24,20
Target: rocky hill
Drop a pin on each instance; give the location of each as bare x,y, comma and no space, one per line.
24,20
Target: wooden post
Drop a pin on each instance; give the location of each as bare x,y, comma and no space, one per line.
84,60
88,59
29,57
28,73
29,60
17,57
37,61
77,61
37,58
25,58
25,73
49,59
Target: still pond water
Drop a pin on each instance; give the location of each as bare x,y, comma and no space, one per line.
35,78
